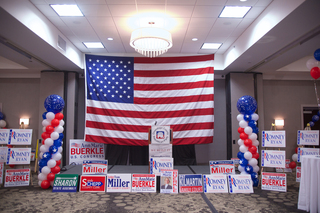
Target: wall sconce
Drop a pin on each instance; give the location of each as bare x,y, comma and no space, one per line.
25,121
279,122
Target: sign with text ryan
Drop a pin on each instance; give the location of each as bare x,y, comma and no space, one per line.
273,139
308,137
272,158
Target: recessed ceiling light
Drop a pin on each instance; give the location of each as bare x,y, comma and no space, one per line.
66,10
194,39
93,44
110,39
234,11
211,46
243,0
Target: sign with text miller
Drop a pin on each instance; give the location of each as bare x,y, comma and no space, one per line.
272,158
95,167
222,167
119,183
273,139
80,150
308,137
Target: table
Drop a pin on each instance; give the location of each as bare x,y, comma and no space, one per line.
309,192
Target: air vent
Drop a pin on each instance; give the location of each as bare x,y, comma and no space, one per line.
62,43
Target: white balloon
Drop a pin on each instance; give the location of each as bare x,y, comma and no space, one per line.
248,130
243,148
43,148
59,129
51,183
243,173
295,157
256,168
54,135
240,117
43,129
40,155
60,149
240,142
48,142
253,136
45,123
3,123
56,156
255,143
311,63
50,116
51,163
241,168
255,116
247,155
39,182
46,170
253,162
42,177
243,124
61,123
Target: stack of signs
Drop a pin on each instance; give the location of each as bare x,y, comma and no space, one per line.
215,183
236,161
240,184
160,150
274,182
169,181
18,156
307,151
190,183
80,150
119,183
65,183
274,159
273,139
298,173
17,177
308,137
157,164
222,167
1,172
144,183
20,137
93,178
4,136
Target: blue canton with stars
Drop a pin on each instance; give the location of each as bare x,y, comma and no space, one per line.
110,78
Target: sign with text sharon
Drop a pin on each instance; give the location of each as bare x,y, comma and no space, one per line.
65,183
17,177
222,167
80,150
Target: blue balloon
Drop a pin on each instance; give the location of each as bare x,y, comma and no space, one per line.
240,155
252,124
256,130
243,162
60,136
315,118
316,54
311,123
1,116
54,103
254,175
318,113
46,156
247,117
57,143
249,169
255,182
247,105
44,115
42,163
53,149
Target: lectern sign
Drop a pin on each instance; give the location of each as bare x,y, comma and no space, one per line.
160,134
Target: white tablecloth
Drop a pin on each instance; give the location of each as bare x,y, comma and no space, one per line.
309,192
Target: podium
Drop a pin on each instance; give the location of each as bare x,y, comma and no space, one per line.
160,140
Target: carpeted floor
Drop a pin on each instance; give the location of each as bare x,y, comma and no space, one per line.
34,199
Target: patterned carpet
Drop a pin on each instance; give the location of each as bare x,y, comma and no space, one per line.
34,199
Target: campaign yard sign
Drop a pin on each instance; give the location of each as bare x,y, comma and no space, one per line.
169,181
287,169
18,156
307,151
298,173
144,183
4,136
160,150
3,154
17,177
190,183
1,172
92,183
157,164
308,137
20,137
274,181
222,167
274,159
119,183
215,183
95,167
240,184
80,150
236,161
273,139
160,134
65,183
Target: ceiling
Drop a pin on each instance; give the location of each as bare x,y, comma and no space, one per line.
276,37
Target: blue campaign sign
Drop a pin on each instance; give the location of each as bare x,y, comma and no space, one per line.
65,183
190,183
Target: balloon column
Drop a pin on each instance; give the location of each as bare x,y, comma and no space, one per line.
312,65
51,149
248,142
2,121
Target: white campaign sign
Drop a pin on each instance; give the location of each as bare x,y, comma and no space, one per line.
307,151
20,137
17,177
271,158
217,183
18,156
3,154
1,172
80,150
4,136
273,139
160,150
274,181
308,137
119,183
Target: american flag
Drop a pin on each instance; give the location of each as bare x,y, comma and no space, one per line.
126,96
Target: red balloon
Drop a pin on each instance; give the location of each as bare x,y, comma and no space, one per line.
55,169
243,136
256,155
252,149
12,165
45,135
297,150
59,116
315,72
247,142
240,130
49,129
292,165
58,162
9,146
55,122
45,184
50,177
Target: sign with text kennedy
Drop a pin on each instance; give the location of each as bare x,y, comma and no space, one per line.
308,137
273,139
271,158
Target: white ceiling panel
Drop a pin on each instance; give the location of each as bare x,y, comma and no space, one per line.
211,2
95,10
202,22
207,11
123,10
79,2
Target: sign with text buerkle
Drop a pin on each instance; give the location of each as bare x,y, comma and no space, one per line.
17,177
4,136
308,137
307,151
95,167
20,137
222,167
65,183
240,184
272,158
274,181
273,139
3,154
169,181
144,183
18,156
190,183
215,183
80,150
119,183
92,183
